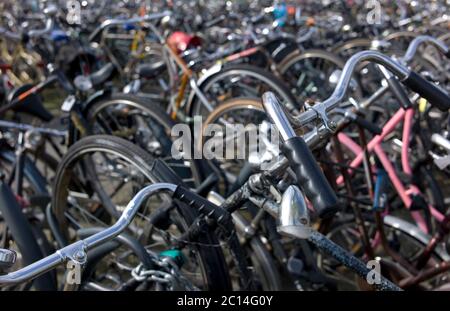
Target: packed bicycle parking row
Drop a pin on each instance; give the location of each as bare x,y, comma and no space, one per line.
248,145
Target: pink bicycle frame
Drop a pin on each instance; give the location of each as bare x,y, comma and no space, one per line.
375,146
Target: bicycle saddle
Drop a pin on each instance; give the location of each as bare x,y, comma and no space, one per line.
85,83
150,71
31,104
182,41
102,75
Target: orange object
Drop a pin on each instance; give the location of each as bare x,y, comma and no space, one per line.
181,41
184,82
27,93
310,21
244,53
291,10
142,10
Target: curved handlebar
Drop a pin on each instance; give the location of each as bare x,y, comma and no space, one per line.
116,21
426,89
309,176
398,69
414,45
70,252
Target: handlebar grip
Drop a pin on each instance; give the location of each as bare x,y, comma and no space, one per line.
448,53
202,205
435,96
310,177
373,128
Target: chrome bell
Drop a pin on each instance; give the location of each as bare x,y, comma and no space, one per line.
293,215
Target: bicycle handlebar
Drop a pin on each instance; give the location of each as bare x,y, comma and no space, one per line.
309,176
74,250
339,92
414,45
115,21
300,158
77,251
428,90
414,81
35,33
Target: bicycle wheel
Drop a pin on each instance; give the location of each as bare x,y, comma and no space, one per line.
404,238
145,124
244,112
266,274
97,178
240,81
307,74
21,231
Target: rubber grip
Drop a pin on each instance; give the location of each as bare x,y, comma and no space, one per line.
428,90
202,205
373,128
310,177
399,92
448,53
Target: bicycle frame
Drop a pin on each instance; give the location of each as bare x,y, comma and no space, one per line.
404,192
374,146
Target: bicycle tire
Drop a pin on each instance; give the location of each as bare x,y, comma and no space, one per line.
189,173
276,85
297,56
211,257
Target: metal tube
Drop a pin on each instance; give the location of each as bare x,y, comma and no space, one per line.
40,32
128,214
344,81
50,262
414,45
277,115
31,271
441,141
116,21
26,127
